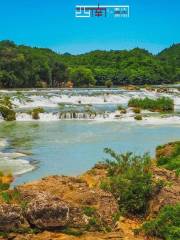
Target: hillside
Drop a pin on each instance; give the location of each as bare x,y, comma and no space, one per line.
22,66
172,57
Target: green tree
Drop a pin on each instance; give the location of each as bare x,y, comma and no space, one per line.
108,83
82,76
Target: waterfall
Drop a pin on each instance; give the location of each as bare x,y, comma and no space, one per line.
82,115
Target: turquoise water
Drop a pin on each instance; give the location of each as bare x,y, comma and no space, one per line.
72,142
72,147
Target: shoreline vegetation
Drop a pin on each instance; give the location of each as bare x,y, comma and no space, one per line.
27,67
127,195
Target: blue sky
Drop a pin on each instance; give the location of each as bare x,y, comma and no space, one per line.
153,24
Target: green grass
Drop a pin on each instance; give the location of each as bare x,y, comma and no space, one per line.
163,104
172,161
89,211
166,225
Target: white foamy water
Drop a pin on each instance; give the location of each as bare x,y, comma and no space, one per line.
173,120
16,167
3,143
106,116
45,117
52,100
13,162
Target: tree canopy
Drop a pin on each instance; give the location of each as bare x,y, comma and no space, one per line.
22,66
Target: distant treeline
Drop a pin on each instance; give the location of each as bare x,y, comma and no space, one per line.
22,66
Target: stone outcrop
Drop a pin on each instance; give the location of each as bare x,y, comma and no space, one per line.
47,211
58,201
169,194
10,217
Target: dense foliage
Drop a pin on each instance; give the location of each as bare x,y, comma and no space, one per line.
130,181
162,104
82,76
166,225
6,109
171,56
22,66
136,66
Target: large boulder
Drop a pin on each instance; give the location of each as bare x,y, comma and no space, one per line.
47,211
59,201
10,217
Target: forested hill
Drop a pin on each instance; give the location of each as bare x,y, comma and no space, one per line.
22,66
171,56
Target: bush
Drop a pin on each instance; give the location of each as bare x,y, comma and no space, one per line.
130,181
35,113
137,110
168,156
6,109
166,225
108,83
138,117
163,104
89,211
4,186
121,109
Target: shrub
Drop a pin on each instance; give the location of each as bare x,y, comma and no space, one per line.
108,83
137,110
6,197
166,225
41,84
123,111
168,156
6,109
130,181
89,211
138,117
120,107
4,186
163,104
35,113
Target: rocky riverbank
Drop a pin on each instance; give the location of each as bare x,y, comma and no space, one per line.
60,207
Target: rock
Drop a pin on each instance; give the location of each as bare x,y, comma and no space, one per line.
10,217
64,205
165,175
170,194
47,211
166,150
